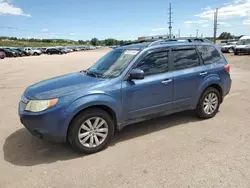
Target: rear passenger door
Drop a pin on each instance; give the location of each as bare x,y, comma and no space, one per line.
189,72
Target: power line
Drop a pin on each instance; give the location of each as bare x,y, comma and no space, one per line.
170,21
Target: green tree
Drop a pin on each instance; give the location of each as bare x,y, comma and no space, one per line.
226,35
94,41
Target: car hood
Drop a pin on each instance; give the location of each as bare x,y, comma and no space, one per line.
61,86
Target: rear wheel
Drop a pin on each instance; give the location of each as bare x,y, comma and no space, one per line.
236,53
35,54
209,103
91,131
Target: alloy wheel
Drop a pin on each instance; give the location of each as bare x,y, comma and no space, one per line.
93,132
210,103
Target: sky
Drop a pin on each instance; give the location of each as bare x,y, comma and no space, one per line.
123,20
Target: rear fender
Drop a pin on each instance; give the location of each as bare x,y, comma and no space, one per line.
212,79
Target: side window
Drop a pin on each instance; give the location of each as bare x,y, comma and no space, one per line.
209,54
185,58
154,63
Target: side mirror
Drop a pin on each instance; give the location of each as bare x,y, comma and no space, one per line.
136,74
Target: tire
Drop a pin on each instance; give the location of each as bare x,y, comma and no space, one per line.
230,50
75,129
200,109
35,54
235,53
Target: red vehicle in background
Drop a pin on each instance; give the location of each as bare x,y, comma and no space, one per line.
2,55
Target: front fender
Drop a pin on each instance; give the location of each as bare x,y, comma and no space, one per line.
212,79
92,100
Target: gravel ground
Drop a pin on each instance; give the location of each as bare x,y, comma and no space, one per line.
174,151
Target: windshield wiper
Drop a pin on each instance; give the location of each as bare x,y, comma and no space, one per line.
91,74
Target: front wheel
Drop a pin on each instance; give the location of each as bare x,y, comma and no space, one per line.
91,131
231,50
236,53
209,103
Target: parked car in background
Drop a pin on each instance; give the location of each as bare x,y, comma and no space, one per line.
43,50
228,48
64,50
22,51
33,51
2,54
130,84
242,46
51,51
9,53
18,54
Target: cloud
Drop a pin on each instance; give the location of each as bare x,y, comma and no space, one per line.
246,22
159,29
238,8
45,30
225,24
6,8
196,22
205,25
72,34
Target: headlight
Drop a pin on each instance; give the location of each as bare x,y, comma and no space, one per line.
40,105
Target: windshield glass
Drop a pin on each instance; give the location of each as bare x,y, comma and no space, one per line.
244,42
113,63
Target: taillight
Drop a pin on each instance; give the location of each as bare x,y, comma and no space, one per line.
227,68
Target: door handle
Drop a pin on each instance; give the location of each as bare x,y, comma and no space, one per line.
203,73
166,81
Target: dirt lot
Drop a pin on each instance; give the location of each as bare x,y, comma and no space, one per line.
173,151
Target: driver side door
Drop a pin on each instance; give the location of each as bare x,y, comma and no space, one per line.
154,93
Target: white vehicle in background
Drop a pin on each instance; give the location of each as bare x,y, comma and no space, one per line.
33,51
242,46
228,47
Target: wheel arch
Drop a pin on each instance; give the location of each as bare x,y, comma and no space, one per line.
217,87
103,107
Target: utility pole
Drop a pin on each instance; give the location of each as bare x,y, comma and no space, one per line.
170,21
215,24
197,33
179,33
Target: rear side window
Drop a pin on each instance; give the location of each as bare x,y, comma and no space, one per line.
209,54
154,63
185,58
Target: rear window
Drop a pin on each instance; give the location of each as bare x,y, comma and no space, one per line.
209,54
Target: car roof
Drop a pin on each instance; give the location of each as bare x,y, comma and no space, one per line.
161,44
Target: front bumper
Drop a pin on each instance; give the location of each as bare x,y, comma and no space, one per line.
48,125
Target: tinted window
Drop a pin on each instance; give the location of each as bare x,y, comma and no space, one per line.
185,58
209,54
154,63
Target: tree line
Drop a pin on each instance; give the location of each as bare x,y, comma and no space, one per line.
93,41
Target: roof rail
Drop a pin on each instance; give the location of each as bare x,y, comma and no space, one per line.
160,41
181,39
138,42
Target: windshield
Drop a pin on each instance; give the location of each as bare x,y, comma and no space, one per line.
244,42
113,63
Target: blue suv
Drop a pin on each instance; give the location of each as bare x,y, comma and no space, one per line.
131,83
